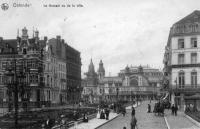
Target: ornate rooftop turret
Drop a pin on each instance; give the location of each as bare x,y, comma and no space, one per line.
101,70
140,69
91,68
24,34
127,70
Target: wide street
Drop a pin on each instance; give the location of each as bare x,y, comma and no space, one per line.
145,120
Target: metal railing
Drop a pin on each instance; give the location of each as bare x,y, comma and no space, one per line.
185,88
72,123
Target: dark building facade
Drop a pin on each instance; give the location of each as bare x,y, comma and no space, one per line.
23,59
73,74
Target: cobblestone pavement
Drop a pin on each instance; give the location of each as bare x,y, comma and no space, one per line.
179,121
145,120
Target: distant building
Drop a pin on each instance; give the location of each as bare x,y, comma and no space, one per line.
182,61
131,83
140,82
90,89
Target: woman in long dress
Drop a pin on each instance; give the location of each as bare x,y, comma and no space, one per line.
98,113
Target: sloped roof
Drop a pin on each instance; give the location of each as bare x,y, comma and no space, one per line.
12,43
193,17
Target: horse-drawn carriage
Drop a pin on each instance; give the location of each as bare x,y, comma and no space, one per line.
160,107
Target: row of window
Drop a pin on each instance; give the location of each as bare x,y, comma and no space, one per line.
181,79
181,58
186,28
181,43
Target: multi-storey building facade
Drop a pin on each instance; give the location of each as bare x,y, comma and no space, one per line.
22,58
181,59
68,70
41,71
73,74
55,74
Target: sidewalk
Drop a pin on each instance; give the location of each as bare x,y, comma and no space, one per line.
94,123
178,122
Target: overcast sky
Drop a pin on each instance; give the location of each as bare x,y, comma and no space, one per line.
119,32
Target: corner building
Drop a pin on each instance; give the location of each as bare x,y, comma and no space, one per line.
26,56
182,62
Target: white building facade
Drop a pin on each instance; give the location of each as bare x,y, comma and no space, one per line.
182,60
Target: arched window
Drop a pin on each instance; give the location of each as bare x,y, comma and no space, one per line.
194,78
134,82
181,79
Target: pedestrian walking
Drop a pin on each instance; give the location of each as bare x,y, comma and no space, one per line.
175,110
98,113
133,122
124,111
85,118
149,108
133,111
172,108
107,111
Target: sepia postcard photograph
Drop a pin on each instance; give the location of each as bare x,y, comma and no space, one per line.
99,64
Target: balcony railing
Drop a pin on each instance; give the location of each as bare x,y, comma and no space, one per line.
185,88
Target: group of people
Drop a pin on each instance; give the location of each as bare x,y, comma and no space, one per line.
174,109
103,113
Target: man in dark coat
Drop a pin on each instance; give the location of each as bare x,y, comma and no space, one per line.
107,111
175,110
133,122
149,108
133,111
173,107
